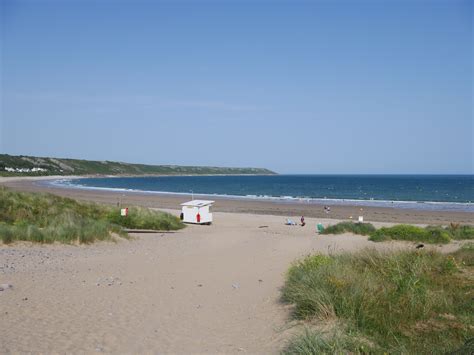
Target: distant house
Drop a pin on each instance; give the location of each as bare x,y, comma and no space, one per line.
197,212
23,170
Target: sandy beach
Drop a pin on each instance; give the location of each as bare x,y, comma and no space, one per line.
204,289
295,119
263,207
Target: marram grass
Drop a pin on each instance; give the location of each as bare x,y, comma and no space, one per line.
400,302
46,218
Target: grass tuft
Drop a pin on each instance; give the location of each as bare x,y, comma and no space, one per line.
6,234
315,342
401,302
460,232
465,254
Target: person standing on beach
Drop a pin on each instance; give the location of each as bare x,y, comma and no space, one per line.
302,221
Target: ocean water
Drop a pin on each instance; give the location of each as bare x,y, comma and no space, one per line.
434,192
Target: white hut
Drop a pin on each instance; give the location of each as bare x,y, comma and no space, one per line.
197,212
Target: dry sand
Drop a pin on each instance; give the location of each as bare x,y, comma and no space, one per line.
204,289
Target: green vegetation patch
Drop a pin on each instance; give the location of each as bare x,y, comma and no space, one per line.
460,232
411,233
399,302
344,227
144,218
465,254
312,342
429,234
46,218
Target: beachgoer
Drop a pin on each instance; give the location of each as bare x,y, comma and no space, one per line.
302,221
290,222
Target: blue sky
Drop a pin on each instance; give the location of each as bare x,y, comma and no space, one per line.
297,87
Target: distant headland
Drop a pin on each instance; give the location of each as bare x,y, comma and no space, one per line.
22,165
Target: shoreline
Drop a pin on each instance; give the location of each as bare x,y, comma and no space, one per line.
241,205
398,204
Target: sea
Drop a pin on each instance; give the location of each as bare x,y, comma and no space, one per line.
422,192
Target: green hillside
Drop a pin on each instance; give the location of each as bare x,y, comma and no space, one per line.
11,165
